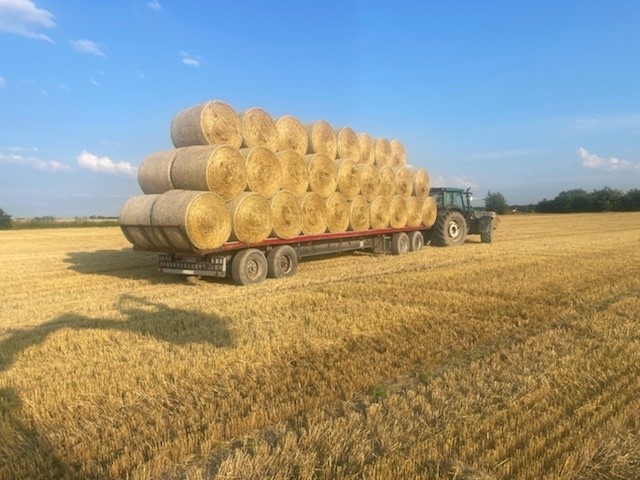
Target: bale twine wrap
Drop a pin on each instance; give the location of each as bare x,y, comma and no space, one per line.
295,173
382,152
414,211
209,123
369,181
379,213
154,173
398,212
322,139
347,144
258,129
291,135
201,215
322,174
337,213
264,174
404,181
421,182
314,214
136,213
218,168
359,214
387,181
251,218
398,154
287,215
366,145
348,178
429,212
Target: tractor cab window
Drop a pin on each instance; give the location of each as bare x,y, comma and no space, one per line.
453,199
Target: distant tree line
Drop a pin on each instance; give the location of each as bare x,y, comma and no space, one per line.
6,222
603,200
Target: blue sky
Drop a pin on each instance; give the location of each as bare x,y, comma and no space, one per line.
527,98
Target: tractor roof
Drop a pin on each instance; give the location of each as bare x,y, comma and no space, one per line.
447,189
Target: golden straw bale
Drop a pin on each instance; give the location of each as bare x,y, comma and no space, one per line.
201,215
287,215
258,129
209,123
398,212
398,154
359,214
369,181
404,181
348,178
292,135
414,211
387,181
154,174
337,213
322,174
421,182
314,214
322,139
347,144
218,168
379,213
382,152
429,212
295,174
252,220
366,145
136,215
264,174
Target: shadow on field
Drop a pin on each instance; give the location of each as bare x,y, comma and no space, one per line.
25,452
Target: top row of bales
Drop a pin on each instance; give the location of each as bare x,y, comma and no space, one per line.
217,123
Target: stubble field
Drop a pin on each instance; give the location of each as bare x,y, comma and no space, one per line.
518,360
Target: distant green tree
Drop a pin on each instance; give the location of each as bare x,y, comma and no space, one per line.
5,220
496,202
630,201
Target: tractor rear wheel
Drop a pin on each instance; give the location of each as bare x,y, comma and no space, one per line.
450,229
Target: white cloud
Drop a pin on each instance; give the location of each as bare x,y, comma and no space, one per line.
154,5
590,160
34,162
86,46
138,74
95,82
189,59
105,164
3,82
21,149
63,86
23,17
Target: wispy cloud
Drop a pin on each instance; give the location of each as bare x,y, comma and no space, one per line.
601,123
3,82
23,17
460,181
104,164
34,162
154,5
63,86
191,60
138,74
590,160
16,149
95,82
87,46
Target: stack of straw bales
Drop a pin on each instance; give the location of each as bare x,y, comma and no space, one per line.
247,177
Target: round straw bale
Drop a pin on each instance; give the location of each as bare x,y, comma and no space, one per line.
379,213
387,181
202,216
154,174
218,168
251,218
287,215
322,139
382,152
264,174
292,135
314,214
322,174
295,174
209,123
369,181
359,214
398,212
258,129
348,178
398,154
365,142
337,213
136,213
414,211
429,212
421,182
404,181
347,144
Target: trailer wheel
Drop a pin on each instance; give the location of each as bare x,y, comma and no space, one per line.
282,262
400,243
248,266
416,241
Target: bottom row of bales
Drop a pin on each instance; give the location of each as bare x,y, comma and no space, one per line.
209,222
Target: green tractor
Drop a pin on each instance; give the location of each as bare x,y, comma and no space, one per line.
456,218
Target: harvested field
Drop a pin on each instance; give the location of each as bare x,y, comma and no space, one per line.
519,360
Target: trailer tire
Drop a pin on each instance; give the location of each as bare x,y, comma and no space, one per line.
282,261
400,243
416,241
248,266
